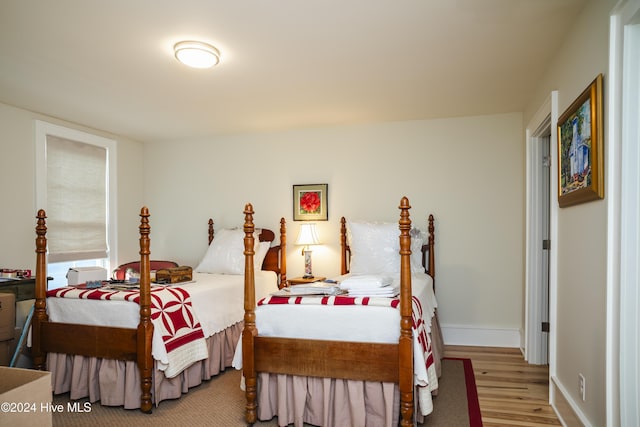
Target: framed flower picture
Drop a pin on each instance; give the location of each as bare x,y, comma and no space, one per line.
310,202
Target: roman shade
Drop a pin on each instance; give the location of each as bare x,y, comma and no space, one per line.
76,200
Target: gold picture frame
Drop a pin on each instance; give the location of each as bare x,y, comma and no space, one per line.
580,148
310,202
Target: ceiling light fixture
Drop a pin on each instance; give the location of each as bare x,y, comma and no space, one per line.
196,54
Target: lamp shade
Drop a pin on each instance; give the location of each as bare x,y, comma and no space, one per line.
308,235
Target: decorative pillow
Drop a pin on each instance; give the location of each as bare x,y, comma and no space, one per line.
374,248
225,254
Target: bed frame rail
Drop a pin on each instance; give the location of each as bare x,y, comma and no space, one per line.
328,359
98,341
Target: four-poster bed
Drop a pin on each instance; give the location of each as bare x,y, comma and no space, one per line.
284,372
114,355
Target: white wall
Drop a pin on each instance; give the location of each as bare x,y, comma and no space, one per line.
17,184
581,298
468,172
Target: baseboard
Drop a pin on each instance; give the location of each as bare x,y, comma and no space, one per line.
566,408
484,337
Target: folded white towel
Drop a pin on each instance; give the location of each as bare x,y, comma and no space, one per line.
365,281
316,288
385,291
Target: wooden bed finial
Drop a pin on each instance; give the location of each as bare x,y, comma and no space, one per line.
41,248
249,228
283,254
249,332
145,230
145,327
405,343
40,309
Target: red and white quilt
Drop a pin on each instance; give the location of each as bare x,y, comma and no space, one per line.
172,315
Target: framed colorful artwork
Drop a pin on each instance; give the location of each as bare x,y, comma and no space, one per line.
580,148
310,202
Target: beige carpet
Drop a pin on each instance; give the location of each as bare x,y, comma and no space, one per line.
220,402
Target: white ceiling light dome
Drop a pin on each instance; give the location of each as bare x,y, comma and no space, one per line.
196,54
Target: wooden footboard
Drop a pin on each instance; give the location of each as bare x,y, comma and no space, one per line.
95,341
327,359
332,359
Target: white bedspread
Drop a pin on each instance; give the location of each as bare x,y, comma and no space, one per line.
218,301
343,322
351,323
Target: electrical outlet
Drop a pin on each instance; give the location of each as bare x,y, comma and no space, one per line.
582,387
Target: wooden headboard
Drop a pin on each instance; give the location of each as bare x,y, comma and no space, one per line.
276,259
428,250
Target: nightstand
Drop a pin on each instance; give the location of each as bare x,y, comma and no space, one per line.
302,280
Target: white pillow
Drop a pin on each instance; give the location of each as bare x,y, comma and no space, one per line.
225,255
418,239
374,248
261,253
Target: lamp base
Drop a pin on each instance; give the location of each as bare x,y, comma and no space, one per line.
307,265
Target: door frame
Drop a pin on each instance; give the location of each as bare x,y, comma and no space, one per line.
623,215
538,348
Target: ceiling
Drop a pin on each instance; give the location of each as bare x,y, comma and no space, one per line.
285,64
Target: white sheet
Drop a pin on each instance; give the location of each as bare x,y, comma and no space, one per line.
218,301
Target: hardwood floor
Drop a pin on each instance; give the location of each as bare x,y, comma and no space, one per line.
511,392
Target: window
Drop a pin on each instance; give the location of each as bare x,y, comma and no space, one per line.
75,185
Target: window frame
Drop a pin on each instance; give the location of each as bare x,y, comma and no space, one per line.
42,129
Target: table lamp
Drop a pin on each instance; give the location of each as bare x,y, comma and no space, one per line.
307,236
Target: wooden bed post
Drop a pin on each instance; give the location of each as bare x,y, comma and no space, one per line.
145,327
405,344
432,253
283,254
40,307
210,230
249,332
343,246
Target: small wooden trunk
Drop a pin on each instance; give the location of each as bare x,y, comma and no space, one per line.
174,275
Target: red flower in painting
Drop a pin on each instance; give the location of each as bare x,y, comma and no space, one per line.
310,202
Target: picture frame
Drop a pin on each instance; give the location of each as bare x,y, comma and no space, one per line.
310,202
580,148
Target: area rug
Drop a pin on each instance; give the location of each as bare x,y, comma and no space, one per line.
457,401
220,402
